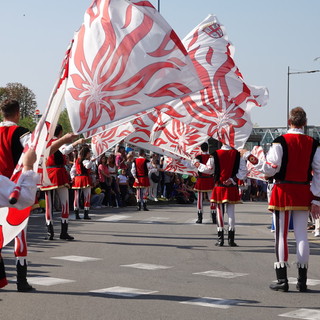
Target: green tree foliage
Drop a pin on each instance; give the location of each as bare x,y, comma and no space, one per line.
23,95
27,122
65,122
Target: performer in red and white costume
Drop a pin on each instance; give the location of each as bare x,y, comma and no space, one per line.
82,181
60,180
28,188
204,184
228,167
140,172
291,161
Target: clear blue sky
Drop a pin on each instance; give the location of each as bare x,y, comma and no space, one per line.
268,37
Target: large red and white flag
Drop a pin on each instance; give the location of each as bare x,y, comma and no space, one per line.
222,108
12,220
125,59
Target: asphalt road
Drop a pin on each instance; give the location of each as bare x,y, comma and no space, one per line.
137,265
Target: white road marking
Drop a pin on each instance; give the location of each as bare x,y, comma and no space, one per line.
76,258
212,302
123,291
116,217
221,274
307,314
146,266
47,281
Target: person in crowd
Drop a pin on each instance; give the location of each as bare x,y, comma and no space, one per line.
154,176
97,197
28,187
292,194
228,167
140,173
82,181
181,192
114,186
60,183
104,180
121,158
204,184
168,185
123,182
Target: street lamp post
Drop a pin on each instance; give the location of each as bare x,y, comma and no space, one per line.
288,87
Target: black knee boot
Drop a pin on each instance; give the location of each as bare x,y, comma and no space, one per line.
76,212
199,217
86,214
231,239
220,241
302,279
22,283
138,206
145,207
3,278
214,216
282,284
50,231
64,232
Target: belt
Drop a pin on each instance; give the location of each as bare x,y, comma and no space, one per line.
292,182
55,167
223,185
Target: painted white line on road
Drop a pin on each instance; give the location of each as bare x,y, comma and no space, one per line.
310,282
123,291
221,274
307,314
212,302
146,266
116,217
193,221
154,220
47,281
76,258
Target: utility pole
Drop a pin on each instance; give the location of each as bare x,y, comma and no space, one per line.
288,87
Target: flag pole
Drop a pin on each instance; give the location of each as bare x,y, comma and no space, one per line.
158,5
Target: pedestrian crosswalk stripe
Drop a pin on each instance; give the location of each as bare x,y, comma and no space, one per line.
47,281
123,291
146,266
221,274
308,314
116,217
212,302
76,258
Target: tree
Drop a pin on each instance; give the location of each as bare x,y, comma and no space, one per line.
23,95
64,121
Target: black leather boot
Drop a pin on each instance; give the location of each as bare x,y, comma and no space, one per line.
50,231
214,216
231,239
64,232
3,278
22,283
199,217
76,212
302,279
282,283
220,241
145,207
138,206
86,214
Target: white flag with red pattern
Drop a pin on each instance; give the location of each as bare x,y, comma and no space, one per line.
222,109
125,59
12,220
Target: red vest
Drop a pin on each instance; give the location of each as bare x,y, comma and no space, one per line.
141,167
7,162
